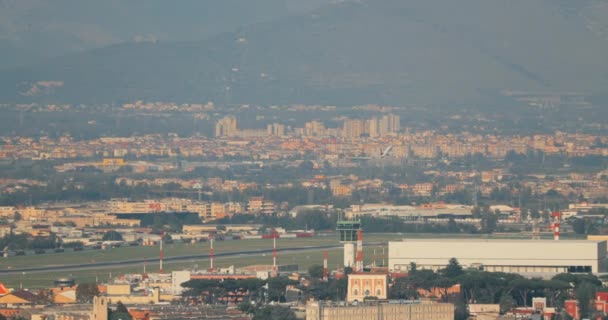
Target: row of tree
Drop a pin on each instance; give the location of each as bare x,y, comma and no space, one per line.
507,289
25,242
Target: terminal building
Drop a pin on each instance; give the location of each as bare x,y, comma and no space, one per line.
543,258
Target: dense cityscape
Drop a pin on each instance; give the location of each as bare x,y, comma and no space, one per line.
225,217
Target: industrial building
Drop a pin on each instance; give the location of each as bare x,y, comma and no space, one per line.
526,257
402,310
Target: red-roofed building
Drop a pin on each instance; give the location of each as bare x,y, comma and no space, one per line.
572,309
3,290
601,302
20,297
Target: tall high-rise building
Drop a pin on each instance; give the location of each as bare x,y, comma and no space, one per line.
395,121
354,128
275,129
373,127
390,123
314,128
226,127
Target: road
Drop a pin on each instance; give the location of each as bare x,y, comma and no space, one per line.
135,262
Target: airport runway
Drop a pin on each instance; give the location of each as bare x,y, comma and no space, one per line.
135,262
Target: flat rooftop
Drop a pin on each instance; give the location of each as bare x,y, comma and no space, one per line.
473,240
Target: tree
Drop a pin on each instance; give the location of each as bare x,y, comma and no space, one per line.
534,213
453,269
422,279
315,271
461,310
402,289
523,214
577,279
453,226
584,294
507,303
348,270
75,244
307,166
476,212
525,286
444,283
70,223
121,313
314,219
413,267
488,222
86,291
276,288
112,236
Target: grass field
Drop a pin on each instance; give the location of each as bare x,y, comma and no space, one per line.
302,259
172,250
45,279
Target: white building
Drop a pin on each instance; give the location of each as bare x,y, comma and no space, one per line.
409,212
177,278
526,257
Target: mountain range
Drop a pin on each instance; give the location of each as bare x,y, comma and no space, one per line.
445,52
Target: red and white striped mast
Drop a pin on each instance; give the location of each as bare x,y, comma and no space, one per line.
556,219
211,237
359,259
325,268
161,253
274,252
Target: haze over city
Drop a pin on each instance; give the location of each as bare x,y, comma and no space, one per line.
314,160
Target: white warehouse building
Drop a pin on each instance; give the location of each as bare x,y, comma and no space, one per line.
526,257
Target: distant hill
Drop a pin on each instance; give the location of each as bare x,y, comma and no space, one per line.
377,51
37,29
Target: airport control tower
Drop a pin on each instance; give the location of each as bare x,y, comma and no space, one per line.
347,230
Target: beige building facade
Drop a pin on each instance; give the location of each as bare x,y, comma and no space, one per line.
380,311
365,285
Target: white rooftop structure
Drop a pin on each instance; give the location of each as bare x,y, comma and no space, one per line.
411,212
527,257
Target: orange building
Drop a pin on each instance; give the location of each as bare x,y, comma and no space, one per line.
341,191
20,297
366,285
64,295
439,292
